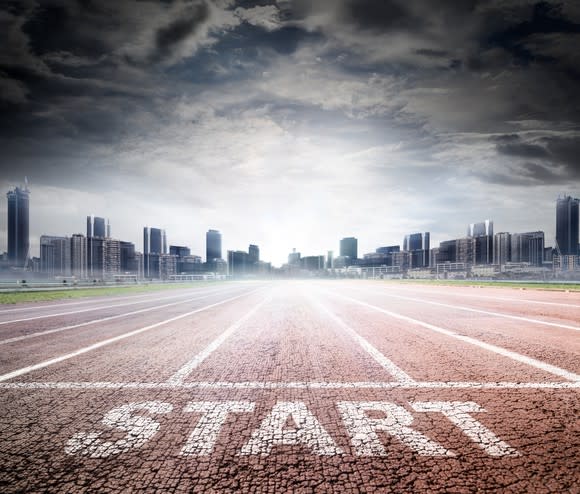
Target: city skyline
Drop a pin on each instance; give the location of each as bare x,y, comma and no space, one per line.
480,246
289,123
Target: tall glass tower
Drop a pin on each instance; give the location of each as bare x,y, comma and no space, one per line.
567,225
18,226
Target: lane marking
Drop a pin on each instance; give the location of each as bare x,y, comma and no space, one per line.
76,353
188,368
90,309
478,311
102,298
382,360
293,385
471,295
94,321
552,369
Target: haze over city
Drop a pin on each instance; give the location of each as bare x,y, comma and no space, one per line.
289,124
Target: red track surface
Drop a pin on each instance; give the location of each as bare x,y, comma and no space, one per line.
293,387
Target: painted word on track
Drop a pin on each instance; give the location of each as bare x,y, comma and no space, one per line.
140,422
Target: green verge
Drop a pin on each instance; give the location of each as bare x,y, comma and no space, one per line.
493,284
108,291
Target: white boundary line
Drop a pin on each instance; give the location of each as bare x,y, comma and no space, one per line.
483,297
188,368
91,309
399,374
98,298
478,311
293,385
552,369
46,363
110,318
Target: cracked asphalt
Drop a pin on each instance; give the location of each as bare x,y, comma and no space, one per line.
338,386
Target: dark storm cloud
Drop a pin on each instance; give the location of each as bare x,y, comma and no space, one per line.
167,38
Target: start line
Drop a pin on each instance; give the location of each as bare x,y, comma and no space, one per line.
137,421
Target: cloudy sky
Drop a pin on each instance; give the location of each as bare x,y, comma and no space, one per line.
290,123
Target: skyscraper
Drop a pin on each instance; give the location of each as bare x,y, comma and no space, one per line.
567,225
213,245
154,241
349,247
528,247
479,229
18,226
254,253
96,227
502,248
55,257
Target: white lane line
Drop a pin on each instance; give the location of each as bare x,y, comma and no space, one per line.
552,369
293,385
399,374
94,300
104,319
76,353
188,368
479,311
91,309
471,295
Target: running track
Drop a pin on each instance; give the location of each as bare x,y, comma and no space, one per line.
338,386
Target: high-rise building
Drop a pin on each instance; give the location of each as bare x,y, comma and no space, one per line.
55,257
418,245
330,260
153,246
527,247
479,229
501,248
389,249
312,263
179,251
96,227
213,245
349,248
254,253
18,226
128,258
567,225
78,256
294,258
96,257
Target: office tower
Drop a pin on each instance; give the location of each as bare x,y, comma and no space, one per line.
213,245
479,229
527,247
96,227
95,257
349,247
254,253
78,256
112,258
418,245
128,258
447,251
567,225
238,262
312,263
153,245
55,258
414,241
501,248
329,259
163,242
389,249
179,251
18,225
294,258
